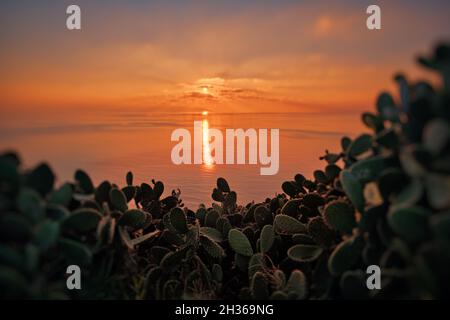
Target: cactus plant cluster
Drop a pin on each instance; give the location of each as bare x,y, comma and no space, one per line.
383,199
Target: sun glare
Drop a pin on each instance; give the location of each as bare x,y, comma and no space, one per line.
207,158
204,113
205,90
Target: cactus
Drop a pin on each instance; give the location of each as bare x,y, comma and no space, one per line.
353,189
212,233
211,218
75,252
297,284
84,182
263,216
259,287
118,199
360,145
344,257
213,249
386,203
222,185
239,243
82,220
284,224
133,218
411,223
129,178
304,252
340,216
178,220
267,238
290,208
320,232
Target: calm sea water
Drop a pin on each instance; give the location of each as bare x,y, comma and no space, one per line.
108,144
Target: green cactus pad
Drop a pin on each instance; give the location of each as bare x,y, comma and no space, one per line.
102,192
46,235
129,192
411,223
290,208
222,185
438,190
75,252
210,246
304,252
118,199
372,121
62,196
344,257
332,171
263,216
290,188
211,218
297,284
230,200
158,189
267,238
340,216
313,200
388,138
353,189
84,182
259,286
301,238
239,243
436,136
200,214
320,176
173,260
360,145
212,233
255,264
345,143
368,169
178,220
284,224
133,218
320,232
129,178
82,220
41,179
386,107
31,204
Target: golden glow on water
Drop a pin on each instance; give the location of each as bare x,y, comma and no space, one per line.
207,159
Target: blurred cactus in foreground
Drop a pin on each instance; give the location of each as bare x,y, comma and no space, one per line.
384,199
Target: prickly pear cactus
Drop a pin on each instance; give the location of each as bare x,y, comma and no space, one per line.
383,199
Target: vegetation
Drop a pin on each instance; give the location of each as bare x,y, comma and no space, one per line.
383,199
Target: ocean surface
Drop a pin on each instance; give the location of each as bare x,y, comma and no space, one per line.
109,144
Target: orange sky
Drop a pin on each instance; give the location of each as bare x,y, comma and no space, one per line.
279,56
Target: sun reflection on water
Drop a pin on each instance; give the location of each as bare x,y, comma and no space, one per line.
207,158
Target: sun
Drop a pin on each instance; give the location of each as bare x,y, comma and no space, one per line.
205,90
205,113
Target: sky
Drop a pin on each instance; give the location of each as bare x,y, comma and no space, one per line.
222,56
